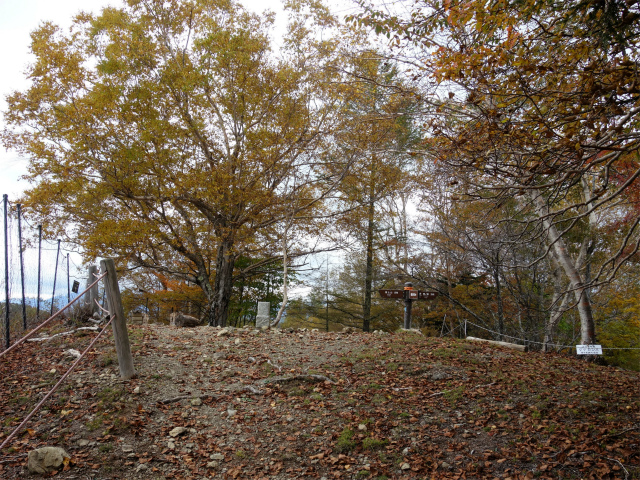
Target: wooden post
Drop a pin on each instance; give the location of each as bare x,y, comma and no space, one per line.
119,324
93,293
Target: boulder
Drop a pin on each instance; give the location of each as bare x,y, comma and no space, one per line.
47,459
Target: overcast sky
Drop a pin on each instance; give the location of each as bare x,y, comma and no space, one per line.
18,18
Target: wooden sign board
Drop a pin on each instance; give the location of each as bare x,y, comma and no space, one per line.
427,295
391,293
413,294
589,349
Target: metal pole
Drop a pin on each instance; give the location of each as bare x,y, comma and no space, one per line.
407,305
7,307
24,305
55,278
68,286
39,271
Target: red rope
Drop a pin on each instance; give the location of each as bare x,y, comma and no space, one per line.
22,340
37,407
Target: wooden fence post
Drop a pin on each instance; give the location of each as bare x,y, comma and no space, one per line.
119,324
93,293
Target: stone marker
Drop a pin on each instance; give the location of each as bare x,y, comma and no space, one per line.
262,319
47,459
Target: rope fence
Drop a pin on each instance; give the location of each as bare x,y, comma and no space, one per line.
116,318
542,343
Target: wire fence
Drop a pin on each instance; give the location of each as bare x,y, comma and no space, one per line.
526,342
113,316
36,274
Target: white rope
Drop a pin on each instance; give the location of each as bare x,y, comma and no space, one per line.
548,344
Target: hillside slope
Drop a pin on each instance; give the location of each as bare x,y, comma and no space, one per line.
285,405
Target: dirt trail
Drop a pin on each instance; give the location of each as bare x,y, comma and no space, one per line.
208,403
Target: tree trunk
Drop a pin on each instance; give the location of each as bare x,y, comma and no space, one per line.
557,308
587,324
219,307
368,280
285,296
496,278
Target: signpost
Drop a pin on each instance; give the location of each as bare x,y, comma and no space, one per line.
409,295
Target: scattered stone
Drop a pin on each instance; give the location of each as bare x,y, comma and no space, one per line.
196,402
213,464
216,456
136,390
127,448
405,466
439,376
445,465
52,371
171,445
237,342
177,431
46,459
83,442
72,352
231,412
223,333
362,427
141,467
406,451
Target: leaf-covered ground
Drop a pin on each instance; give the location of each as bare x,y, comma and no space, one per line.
285,405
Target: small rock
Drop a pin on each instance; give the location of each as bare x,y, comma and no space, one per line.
216,456
254,332
177,431
196,402
136,390
405,466
213,464
127,448
52,371
47,459
223,333
193,430
83,442
72,352
406,451
362,427
171,445
445,465
141,467
231,412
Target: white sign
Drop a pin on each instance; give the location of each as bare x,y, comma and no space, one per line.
589,349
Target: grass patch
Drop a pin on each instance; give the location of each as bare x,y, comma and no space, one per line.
370,443
345,441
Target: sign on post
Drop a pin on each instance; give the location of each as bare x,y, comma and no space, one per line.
409,295
76,286
589,349
391,293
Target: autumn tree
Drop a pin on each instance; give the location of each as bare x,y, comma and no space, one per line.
379,110
537,99
167,134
